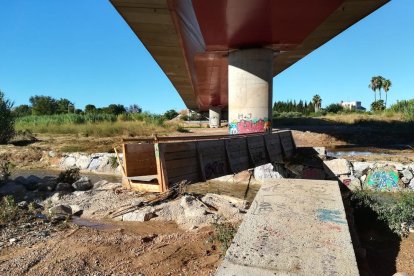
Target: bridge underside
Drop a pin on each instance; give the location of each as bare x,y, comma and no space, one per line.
192,40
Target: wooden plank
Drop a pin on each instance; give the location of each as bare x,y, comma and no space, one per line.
161,170
153,188
288,145
180,155
139,159
182,171
192,178
200,163
274,148
237,153
214,158
179,147
257,150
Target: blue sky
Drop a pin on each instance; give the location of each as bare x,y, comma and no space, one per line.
84,51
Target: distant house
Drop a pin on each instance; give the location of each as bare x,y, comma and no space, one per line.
355,105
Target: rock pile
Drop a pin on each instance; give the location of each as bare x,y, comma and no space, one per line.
191,212
97,162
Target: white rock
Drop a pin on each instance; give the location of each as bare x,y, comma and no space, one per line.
229,207
83,162
68,162
407,174
144,214
266,172
401,274
361,168
337,167
411,185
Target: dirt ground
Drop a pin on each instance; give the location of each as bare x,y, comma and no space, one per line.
152,248
117,248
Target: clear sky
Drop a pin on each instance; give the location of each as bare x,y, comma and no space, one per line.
84,51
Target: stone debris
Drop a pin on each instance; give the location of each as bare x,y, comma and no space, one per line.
337,167
64,187
266,171
97,162
83,184
58,210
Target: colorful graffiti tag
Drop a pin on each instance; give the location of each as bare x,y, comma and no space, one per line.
249,126
383,179
333,216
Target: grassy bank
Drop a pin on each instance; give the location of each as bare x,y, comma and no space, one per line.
97,125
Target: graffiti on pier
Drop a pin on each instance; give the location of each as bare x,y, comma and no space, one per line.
248,124
383,179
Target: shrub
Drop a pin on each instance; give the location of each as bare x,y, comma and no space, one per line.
170,114
334,108
6,120
395,209
5,173
377,105
69,176
223,234
406,107
9,211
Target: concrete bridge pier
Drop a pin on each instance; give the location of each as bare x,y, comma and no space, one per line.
214,116
250,90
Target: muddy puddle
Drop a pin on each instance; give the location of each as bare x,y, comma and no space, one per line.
238,190
94,177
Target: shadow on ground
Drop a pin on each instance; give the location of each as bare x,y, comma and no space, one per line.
387,134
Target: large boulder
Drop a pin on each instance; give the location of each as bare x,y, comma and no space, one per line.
60,210
337,167
352,183
229,207
411,185
31,183
83,162
407,175
83,184
361,168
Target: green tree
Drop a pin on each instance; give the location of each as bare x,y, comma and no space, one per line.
6,119
115,109
43,105
90,108
378,105
170,114
64,106
134,108
376,84
317,102
386,85
22,110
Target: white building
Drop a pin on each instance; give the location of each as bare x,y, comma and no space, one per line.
355,105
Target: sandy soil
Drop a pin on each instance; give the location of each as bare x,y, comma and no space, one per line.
119,248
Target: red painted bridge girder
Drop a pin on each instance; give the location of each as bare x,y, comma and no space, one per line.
191,39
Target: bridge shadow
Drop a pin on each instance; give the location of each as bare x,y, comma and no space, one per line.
363,132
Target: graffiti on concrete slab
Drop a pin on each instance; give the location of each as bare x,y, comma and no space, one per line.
262,207
383,179
248,124
333,216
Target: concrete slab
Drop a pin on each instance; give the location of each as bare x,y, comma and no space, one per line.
294,227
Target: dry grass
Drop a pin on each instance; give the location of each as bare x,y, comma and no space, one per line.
101,129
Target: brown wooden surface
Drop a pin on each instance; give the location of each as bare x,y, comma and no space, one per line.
214,158
238,154
257,150
274,148
139,159
287,143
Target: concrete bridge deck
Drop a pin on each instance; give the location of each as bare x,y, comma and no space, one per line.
294,227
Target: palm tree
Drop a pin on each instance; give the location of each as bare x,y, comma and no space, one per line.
317,102
386,84
376,84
